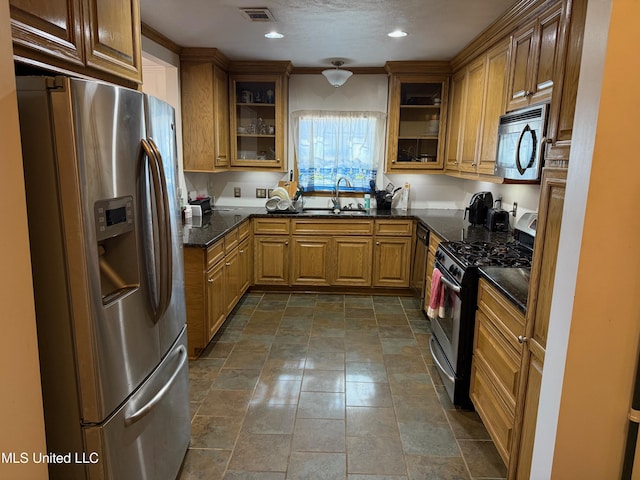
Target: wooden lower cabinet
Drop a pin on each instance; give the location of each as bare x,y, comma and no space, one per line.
310,261
352,261
215,306
215,279
392,262
495,370
271,260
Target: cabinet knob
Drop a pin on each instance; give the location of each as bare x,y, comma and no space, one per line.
377,243
228,264
220,157
474,164
522,339
210,280
286,244
241,251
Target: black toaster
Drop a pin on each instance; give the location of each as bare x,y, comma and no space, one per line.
205,204
497,220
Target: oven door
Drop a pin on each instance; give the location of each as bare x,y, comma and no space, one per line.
447,329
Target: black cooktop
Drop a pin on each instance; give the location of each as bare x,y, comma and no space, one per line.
484,254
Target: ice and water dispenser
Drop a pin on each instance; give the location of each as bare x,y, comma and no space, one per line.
115,233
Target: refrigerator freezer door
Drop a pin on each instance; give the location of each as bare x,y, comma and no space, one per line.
160,125
149,435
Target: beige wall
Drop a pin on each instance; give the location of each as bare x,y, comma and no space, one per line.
21,419
600,317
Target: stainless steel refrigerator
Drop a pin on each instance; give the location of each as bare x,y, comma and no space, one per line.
100,175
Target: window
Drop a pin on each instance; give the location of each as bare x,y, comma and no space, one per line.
330,145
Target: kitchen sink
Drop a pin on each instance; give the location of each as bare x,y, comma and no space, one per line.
330,211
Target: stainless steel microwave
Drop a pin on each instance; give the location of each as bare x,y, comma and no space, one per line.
521,138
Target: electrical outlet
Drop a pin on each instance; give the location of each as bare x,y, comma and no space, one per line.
515,208
269,192
261,193
237,192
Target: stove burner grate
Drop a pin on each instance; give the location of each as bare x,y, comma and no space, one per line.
484,254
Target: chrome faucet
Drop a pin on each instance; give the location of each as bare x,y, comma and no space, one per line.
336,199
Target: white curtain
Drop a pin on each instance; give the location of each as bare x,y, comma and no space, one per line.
333,144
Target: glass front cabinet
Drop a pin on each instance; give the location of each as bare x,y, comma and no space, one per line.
416,123
258,127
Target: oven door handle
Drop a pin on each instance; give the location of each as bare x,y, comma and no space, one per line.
450,284
435,359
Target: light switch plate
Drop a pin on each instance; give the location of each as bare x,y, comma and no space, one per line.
261,193
237,192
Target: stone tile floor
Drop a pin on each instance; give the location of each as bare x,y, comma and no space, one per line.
306,386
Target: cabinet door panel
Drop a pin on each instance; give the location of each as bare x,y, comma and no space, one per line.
246,264
221,118
271,260
352,261
216,306
52,28
392,258
494,106
112,37
521,51
310,260
472,115
232,280
545,63
458,85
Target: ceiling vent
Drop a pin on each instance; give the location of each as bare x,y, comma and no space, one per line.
258,14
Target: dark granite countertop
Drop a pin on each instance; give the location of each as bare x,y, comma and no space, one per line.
447,224
513,282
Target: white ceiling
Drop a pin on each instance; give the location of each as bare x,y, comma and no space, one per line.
317,31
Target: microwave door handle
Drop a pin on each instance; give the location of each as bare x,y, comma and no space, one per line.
532,158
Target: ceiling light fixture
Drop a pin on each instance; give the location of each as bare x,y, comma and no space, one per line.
274,35
336,76
397,34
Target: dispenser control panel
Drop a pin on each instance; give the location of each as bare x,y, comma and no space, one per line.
113,217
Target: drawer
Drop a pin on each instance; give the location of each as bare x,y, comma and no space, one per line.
397,228
271,226
215,253
498,421
231,240
502,363
336,226
244,230
508,319
434,241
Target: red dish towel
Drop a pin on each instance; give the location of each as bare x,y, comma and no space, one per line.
436,301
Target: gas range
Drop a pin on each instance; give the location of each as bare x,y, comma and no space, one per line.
489,254
453,325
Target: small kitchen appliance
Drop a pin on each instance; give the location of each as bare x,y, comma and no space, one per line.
203,203
497,220
479,205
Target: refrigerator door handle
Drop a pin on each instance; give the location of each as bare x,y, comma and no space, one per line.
147,407
159,187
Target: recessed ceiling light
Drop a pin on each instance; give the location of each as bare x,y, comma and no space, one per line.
273,35
397,34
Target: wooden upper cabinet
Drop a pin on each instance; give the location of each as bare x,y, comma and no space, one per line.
91,37
205,116
51,28
258,109
566,74
477,101
112,37
533,59
417,117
